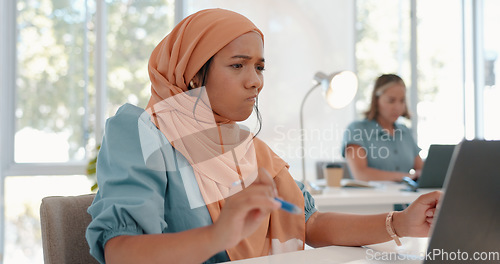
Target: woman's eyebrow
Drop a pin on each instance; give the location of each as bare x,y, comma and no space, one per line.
246,57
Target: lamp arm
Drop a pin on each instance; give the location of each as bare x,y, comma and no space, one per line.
302,134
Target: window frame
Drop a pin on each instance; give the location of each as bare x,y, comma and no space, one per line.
7,83
8,73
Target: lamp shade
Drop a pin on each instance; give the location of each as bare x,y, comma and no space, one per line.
338,88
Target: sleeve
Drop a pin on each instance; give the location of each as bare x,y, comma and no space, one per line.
309,205
415,149
130,200
352,135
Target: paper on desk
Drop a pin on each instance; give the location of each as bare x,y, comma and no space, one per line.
349,183
358,183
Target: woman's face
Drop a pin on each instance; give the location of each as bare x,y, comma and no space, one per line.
235,77
392,103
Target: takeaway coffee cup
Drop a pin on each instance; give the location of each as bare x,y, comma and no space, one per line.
333,174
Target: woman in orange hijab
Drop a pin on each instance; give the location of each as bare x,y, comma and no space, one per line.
181,182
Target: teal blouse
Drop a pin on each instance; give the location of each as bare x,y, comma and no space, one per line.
383,151
146,186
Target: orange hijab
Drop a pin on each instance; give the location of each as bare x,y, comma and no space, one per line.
219,151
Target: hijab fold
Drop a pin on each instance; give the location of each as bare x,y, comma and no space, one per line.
219,150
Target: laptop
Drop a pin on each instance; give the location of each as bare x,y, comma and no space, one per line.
467,224
435,167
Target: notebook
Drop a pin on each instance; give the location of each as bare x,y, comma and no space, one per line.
467,224
435,167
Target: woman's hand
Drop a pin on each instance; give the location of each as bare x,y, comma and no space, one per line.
416,220
243,212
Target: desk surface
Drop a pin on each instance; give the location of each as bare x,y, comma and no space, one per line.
386,252
384,194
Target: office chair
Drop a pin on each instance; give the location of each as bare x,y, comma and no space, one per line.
64,220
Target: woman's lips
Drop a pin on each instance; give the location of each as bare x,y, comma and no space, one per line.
252,99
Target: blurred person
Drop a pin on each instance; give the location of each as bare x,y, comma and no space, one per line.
378,148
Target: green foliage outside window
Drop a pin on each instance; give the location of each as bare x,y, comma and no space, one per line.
56,63
92,169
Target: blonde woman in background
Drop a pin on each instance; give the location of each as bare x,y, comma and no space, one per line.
379,148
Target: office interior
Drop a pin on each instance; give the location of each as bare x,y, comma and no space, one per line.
66,66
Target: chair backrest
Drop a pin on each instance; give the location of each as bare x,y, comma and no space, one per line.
64,220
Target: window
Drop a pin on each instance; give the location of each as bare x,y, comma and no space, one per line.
52,84
133,29
51,103
440,107
55,48
492,70
384,46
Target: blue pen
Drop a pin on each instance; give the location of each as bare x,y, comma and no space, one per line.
289,207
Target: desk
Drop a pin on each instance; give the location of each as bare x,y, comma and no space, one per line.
366,200
386,252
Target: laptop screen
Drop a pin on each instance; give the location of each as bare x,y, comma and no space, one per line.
467,225
435,166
